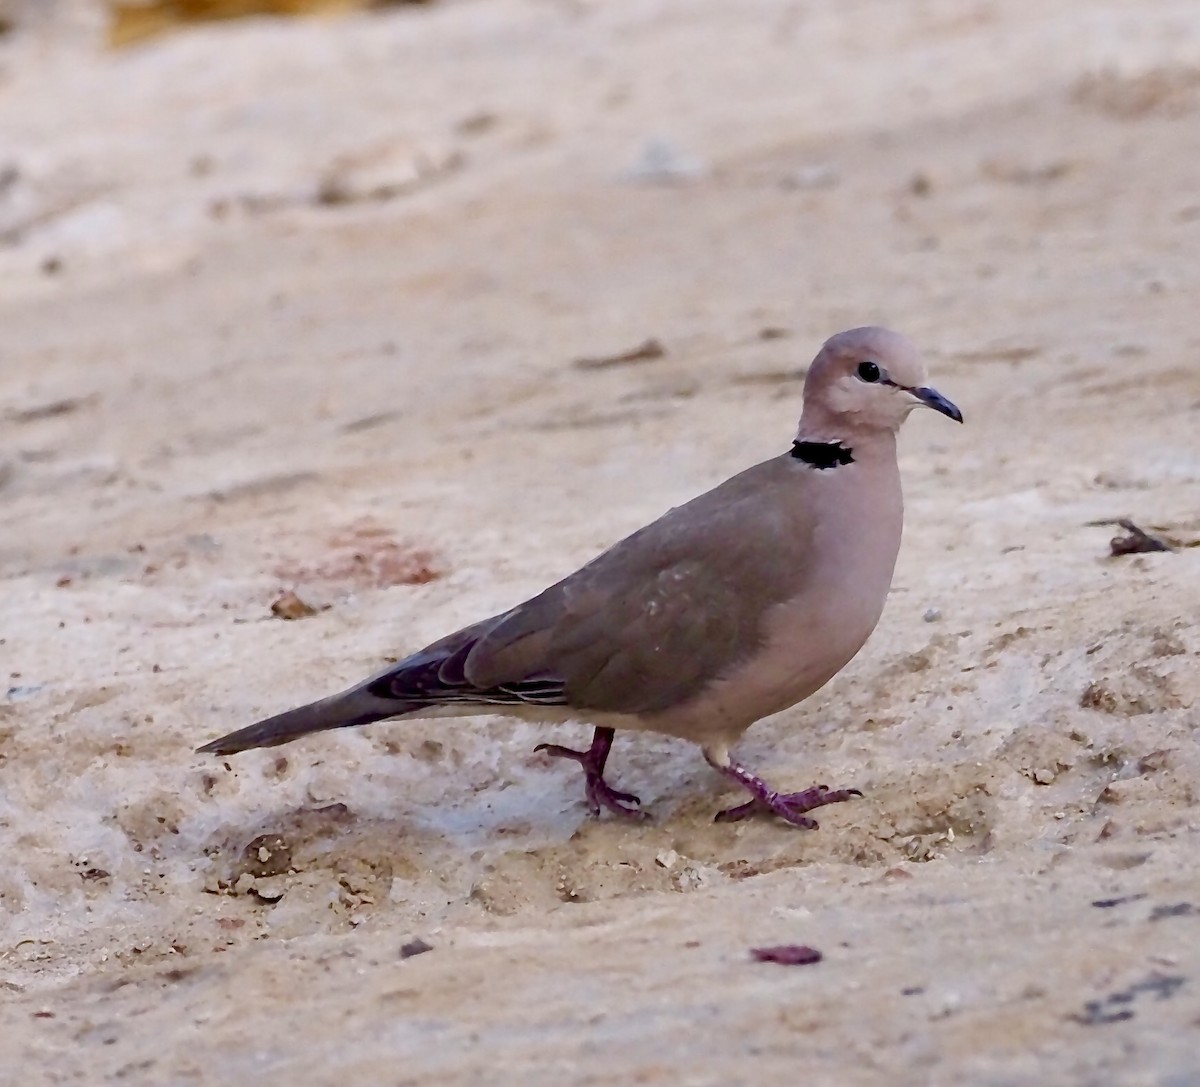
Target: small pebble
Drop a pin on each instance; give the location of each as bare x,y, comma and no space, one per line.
290,606
787,955
661,162
414,947
269,888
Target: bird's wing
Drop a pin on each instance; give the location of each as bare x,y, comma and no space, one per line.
651,621
643,626
436,676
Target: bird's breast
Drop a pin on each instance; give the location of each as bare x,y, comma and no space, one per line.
810,636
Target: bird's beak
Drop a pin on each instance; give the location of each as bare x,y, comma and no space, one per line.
931,398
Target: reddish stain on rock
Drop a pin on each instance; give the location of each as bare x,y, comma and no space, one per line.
365,555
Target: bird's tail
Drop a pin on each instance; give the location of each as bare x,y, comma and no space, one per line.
356,706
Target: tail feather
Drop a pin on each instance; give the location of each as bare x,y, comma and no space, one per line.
433,677
354,707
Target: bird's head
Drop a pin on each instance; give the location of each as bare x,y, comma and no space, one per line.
863,380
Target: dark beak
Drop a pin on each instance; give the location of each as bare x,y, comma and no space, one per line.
931,398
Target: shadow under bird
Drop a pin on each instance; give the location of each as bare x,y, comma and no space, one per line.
734,606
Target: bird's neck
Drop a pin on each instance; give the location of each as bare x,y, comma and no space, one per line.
822,454
828,448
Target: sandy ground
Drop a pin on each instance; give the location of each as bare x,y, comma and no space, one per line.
300,305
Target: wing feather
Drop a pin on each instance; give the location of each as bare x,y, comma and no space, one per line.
666,611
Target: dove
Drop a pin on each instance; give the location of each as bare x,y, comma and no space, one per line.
731,607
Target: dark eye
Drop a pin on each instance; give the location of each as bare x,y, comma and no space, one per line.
869,371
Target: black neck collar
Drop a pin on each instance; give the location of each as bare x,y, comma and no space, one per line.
822,454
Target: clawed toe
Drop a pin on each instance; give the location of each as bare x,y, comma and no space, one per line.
625,798
789,813
790,807
558,752
600,795
742,811
817,797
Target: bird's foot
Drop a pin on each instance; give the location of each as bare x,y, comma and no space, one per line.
600,795
790,807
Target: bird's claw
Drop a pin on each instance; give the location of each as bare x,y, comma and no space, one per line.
790,807
600,795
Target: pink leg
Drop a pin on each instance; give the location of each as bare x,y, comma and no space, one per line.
599,793
788,806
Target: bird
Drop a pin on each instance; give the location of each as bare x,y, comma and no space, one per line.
731,607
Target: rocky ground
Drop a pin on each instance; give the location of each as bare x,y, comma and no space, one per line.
318,305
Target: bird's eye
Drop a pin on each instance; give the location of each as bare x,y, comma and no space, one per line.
869,371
